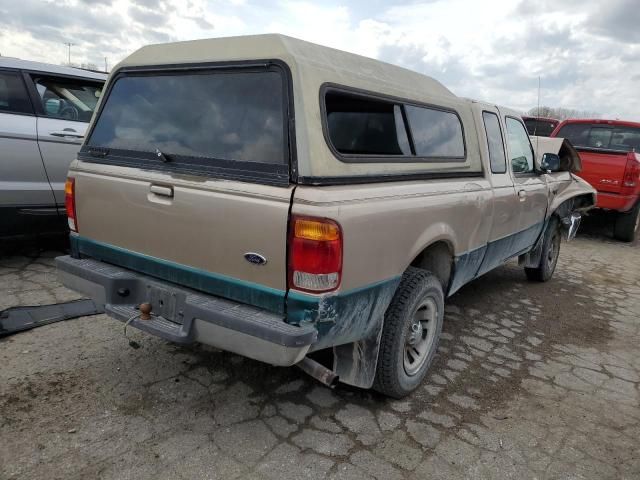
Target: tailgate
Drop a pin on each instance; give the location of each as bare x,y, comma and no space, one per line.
603,170
184,176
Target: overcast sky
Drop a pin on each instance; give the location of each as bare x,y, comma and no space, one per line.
587,52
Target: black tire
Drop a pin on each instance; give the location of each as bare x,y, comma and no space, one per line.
628,225
419,293
550,254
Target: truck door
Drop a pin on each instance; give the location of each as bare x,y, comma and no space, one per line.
531,188
506,208
65,106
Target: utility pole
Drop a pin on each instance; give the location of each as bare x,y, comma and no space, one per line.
69,45
105,65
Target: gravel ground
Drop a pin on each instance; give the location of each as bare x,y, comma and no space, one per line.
531,381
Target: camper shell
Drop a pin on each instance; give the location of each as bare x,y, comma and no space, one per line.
309,72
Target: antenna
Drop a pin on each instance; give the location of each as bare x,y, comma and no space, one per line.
535,128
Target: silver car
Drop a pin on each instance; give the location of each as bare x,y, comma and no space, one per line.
44,112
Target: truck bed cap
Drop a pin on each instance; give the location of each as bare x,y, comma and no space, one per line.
296,53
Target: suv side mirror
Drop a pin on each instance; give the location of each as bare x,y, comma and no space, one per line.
550,162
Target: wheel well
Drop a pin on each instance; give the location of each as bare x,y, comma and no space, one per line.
438,259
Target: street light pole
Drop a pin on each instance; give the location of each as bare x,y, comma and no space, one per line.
69,45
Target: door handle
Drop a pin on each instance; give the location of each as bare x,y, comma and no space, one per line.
66,134
522,195
162,190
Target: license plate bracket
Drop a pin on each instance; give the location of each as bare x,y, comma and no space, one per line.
165,303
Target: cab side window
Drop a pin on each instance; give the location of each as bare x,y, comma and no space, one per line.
497,156
519,146
13,94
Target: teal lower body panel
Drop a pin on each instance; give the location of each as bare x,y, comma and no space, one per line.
475,263
344,317
340,318
241,291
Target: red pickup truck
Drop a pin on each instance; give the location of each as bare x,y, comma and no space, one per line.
610,154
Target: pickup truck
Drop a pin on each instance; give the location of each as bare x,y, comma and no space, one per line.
610,153
279,199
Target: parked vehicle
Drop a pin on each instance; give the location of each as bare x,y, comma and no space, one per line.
610,153
540,126
44,112
274,198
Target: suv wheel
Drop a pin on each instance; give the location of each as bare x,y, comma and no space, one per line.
628,225
410,334
550,254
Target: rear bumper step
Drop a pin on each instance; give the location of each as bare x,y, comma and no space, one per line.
185,316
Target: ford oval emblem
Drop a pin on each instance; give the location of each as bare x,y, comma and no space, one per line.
255,258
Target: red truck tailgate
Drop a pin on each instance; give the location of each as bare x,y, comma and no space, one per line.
603,170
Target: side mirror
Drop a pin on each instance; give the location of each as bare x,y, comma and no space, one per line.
550,162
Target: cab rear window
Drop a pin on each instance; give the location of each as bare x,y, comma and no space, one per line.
229,116
602,136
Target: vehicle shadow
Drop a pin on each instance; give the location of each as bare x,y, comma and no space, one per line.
598,224
32,247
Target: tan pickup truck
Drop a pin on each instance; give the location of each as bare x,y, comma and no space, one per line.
276,198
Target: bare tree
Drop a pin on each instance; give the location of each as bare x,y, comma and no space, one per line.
561,113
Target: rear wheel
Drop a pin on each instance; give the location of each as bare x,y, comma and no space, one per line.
550,253
411,332
628,225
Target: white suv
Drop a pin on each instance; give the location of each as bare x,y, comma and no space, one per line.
44,112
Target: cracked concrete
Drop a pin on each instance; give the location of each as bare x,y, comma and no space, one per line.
531,381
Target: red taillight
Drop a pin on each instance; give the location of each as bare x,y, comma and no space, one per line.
631,178
70,203
315,254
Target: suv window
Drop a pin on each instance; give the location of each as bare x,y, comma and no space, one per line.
224,115
602,136
68,99
497,157
366,126
13,94
519,146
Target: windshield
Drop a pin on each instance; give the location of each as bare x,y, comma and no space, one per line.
225,115
602,136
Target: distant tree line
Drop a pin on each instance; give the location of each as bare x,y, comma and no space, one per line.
561,113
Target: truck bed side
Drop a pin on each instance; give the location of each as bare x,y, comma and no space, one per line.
386,226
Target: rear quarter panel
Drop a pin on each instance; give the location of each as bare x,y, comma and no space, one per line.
385,227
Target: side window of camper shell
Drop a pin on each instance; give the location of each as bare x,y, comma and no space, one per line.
364,127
